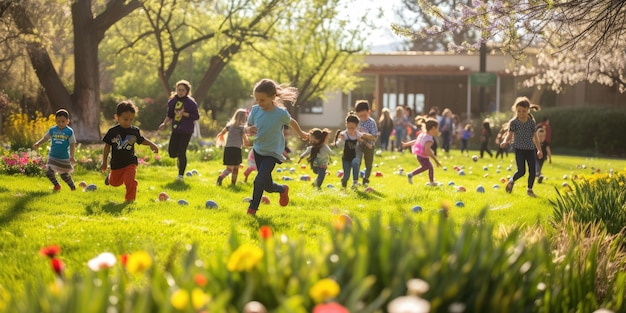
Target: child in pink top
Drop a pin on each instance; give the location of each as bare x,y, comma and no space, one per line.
421,147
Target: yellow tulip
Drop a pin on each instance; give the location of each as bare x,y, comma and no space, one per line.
245,258
180,299
138,262
323,290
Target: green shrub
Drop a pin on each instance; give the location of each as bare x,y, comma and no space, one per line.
23,132
599,199
575,129
361,266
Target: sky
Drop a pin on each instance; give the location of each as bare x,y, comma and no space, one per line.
383,38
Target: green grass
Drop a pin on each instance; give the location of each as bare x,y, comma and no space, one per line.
85,224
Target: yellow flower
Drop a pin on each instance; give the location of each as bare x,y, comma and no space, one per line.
180,299
323,290
198,298
244,259
138,262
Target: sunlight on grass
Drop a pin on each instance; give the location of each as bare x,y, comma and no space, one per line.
87,223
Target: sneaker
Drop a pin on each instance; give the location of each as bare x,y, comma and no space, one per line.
344,184
530,193
509,187
355,185
410,177
219,180
366,183
284,196
180,178
106,180
73,187
540,179
433,184
57,187
251,212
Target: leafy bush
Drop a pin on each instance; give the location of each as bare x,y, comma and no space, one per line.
23,131
357,269
25,162
598,199
575,129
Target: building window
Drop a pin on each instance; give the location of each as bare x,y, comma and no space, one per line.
315,106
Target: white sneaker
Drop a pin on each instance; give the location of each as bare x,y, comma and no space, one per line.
180,178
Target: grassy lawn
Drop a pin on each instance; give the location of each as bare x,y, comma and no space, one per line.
86,223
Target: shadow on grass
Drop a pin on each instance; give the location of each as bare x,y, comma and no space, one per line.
369,195
18,206
112,208
177,185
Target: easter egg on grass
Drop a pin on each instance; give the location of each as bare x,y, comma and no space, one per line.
417,209
183,202
480,189
459,204
163,196
82,184
210,204
91,187
460,189
368,189
475,158
265,200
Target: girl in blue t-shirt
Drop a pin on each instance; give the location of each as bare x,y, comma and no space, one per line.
265,126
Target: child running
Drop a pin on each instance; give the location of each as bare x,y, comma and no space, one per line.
365,149
232,148
525,143
62,147
251,166
422,149
466,134
318,153
545,149
348,140
120,143
265,121
501,134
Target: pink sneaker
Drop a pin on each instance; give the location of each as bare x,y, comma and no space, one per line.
57,187
284,196
251,212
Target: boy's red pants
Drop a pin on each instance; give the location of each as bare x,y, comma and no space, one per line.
125,176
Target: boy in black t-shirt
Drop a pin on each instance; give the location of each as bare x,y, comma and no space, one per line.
120,142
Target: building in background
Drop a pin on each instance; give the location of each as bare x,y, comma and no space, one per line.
421,80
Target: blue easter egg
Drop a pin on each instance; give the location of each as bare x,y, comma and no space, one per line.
417,209
210,204
331,186
445,168
462,173
188,173
278,170
459,204
480,189
496,186
194,172
183,202
91,187
451,183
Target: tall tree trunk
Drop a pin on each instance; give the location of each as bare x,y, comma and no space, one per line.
86,97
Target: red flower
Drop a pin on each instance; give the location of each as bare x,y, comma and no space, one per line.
265,231
200,280
57,266
124,258
50,251
330,308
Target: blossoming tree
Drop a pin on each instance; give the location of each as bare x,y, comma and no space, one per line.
577,40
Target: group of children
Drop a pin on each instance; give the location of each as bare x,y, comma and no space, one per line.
263,128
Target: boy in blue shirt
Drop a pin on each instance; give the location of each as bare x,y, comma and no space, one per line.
365,148
62,147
